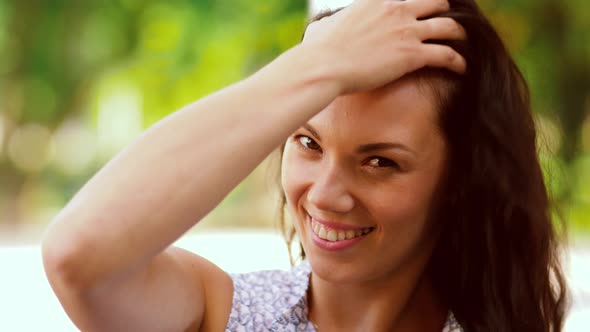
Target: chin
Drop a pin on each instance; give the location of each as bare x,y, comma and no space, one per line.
339,269
337,266
331,271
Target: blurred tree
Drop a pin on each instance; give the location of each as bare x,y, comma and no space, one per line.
551,42
103,70
79,80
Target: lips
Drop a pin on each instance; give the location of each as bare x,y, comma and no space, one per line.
334,232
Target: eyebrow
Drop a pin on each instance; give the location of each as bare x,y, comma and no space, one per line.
365,147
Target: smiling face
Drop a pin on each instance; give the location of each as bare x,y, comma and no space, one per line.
360,180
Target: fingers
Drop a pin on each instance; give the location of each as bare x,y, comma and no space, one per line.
443,56
425,8
441,28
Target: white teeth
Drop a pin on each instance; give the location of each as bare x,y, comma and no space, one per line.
316,227
333,235
322,233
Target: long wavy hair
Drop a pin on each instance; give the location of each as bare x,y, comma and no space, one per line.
497,262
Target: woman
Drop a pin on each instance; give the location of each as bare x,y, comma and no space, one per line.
408,167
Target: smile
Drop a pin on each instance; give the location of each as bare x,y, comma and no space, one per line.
333,234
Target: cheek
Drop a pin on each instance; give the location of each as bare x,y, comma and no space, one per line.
403,216
293,178
410,200
400,205
397,209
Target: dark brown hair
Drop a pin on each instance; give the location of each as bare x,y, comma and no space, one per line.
497,263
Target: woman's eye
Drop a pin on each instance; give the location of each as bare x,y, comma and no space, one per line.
382,162
307,142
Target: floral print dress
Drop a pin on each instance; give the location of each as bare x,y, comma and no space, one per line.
276,301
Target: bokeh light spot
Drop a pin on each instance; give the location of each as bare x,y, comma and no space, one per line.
119,119
75,147
549,136
30,147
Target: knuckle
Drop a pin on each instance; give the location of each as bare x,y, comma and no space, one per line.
406,33
450,55
394,8
409,50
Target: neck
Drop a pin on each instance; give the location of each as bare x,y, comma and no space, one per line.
397,303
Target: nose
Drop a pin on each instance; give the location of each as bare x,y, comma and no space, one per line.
330,191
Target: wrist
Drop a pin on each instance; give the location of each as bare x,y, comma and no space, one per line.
311,67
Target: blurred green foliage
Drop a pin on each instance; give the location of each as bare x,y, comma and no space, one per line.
80,79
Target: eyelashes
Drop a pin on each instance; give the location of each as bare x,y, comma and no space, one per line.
382,162
308,144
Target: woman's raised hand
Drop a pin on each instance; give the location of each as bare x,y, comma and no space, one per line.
373,42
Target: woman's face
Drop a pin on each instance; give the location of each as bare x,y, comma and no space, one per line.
360,180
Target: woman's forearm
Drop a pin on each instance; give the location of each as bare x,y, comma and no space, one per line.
182,167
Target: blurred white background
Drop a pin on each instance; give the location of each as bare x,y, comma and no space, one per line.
27,302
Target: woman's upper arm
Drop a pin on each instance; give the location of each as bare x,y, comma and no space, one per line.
171,294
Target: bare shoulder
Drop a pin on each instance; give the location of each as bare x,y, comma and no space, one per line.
217,286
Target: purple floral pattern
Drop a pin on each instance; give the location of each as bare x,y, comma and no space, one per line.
275,301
